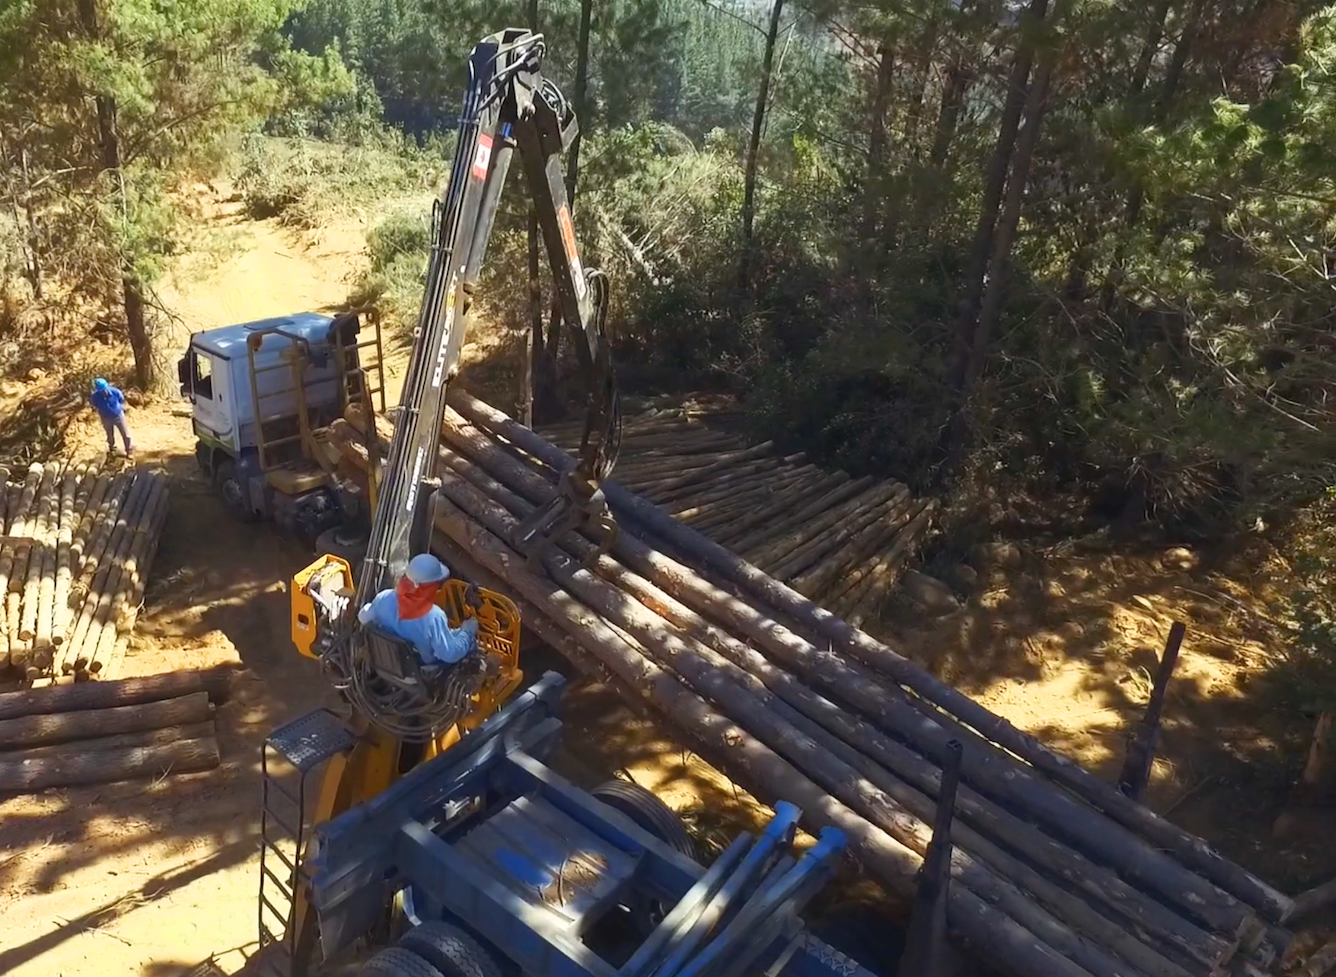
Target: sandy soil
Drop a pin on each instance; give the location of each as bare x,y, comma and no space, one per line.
153,878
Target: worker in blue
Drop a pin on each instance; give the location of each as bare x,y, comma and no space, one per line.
409,611
109,403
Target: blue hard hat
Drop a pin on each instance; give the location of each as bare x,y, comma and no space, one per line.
425,568
100,384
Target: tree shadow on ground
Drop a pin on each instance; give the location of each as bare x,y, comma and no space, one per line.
1066,646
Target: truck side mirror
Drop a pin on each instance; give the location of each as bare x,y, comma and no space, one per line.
183,373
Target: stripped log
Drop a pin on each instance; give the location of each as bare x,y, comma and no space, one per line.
66,727
97,605
822,545
72,506
745,699
119,741
1168,879
1009,943
124,575
75,767
1178,938
46,594
47,499
14,558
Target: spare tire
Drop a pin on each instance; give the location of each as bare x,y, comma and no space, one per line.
450,950
397,962
649,813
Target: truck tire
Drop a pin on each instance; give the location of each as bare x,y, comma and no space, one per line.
334,542
233,492
648,812
450,950
397,962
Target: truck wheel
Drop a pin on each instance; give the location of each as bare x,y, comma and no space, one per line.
342,543
450,950
397,962
232,491
648,812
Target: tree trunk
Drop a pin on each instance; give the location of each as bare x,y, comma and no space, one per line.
754,145
1148,50
531,372
110,162
34,238
999,265
76,767
995,178
65,727
877,140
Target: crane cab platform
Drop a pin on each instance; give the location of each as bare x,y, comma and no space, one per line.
487,841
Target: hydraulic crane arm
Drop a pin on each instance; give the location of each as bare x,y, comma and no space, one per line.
509,107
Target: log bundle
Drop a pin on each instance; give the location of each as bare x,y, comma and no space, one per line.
1054,872
838,540
102,732
74,561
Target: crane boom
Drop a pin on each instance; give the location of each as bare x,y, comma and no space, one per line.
508,106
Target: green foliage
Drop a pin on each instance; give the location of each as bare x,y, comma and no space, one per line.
1305,678
303,182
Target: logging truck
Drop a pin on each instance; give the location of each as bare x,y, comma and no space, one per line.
263,397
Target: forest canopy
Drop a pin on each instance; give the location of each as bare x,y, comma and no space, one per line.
1066,245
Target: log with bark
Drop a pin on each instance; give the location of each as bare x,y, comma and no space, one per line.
1156,873
1193,852
66,727
755,763
215,682
1179,937
118,741
76,767
126,576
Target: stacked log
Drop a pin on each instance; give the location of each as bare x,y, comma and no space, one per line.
839,541
97,733
73,563
1054,872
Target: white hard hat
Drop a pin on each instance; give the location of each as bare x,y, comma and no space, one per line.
425,568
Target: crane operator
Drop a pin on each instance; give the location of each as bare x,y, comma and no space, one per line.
410,612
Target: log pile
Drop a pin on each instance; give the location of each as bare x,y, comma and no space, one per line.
1055,873
838,540
74,561
100,732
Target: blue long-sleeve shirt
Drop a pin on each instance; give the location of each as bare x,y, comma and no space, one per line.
109,403
430,635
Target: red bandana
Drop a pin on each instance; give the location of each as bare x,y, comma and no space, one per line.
415,600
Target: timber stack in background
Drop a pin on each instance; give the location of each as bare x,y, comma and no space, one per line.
74,560
1055,873
839,540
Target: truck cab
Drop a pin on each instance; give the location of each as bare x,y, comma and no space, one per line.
263,395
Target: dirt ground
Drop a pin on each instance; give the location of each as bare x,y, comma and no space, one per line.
152,878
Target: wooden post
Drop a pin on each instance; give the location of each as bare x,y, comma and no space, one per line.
1145,736
925,947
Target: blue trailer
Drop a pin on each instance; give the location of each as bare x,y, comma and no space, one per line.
498,866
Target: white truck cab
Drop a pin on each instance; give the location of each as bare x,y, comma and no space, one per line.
260,393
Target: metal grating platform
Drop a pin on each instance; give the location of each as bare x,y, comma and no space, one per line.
311,739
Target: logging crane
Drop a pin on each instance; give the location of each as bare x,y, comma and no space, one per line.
435,822
404,713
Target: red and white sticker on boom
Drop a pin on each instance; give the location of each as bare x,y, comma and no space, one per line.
483,156
572,255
